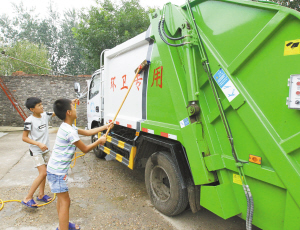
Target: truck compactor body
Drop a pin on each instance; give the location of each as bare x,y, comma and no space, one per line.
214,120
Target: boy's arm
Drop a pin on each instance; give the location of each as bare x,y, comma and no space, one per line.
50,115
86,148
95,130
25,138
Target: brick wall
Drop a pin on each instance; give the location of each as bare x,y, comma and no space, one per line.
48,88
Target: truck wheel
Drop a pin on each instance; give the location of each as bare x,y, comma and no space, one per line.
100,154
164,186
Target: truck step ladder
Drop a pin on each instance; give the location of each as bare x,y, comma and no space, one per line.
12,100
129,148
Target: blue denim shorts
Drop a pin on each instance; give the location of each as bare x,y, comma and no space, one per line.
58,183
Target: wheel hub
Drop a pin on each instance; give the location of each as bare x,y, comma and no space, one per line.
160,184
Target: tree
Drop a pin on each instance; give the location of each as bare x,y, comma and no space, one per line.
68,47
26,25
52,31
108,25
19,27
27,51
294,4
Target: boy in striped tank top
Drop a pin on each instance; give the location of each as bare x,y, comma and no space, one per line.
63,151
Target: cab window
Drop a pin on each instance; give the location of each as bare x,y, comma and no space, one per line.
94,86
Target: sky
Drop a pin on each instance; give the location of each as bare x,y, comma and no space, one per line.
41,5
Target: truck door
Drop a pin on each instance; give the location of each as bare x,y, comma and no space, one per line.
93,103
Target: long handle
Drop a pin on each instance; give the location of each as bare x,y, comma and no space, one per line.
75,108
137,73
75,119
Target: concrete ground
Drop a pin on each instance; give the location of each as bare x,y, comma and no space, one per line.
104,195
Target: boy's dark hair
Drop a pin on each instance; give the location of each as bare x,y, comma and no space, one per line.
61,106
31,102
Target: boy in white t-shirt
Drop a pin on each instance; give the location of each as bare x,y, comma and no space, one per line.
36,134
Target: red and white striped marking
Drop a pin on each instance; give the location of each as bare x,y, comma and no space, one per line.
148,130
118,123
168,135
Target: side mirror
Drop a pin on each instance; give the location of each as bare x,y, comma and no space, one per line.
77,87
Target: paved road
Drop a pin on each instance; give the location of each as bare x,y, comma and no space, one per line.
104,194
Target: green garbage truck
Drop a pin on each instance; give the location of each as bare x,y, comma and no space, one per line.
215,118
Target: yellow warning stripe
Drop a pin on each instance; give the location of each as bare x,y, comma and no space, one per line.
121,144
129,162
131,157
119,157
106,150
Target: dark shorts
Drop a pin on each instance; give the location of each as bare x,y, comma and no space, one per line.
58,183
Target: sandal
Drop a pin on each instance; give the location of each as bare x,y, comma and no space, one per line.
71,227
45,198
29,203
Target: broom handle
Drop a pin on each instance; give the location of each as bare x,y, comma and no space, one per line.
137,72
75,108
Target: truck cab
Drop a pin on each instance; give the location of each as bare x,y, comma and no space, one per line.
94,98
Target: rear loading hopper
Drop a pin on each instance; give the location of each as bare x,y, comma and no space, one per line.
230,75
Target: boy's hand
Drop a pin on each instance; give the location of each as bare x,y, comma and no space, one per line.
75,101
102,140
109,125
42,146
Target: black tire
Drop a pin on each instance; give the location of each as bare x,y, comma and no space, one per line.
164,186
100,154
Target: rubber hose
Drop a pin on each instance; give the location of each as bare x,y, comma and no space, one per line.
162,38
248,207
6,201
164,32
252,207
